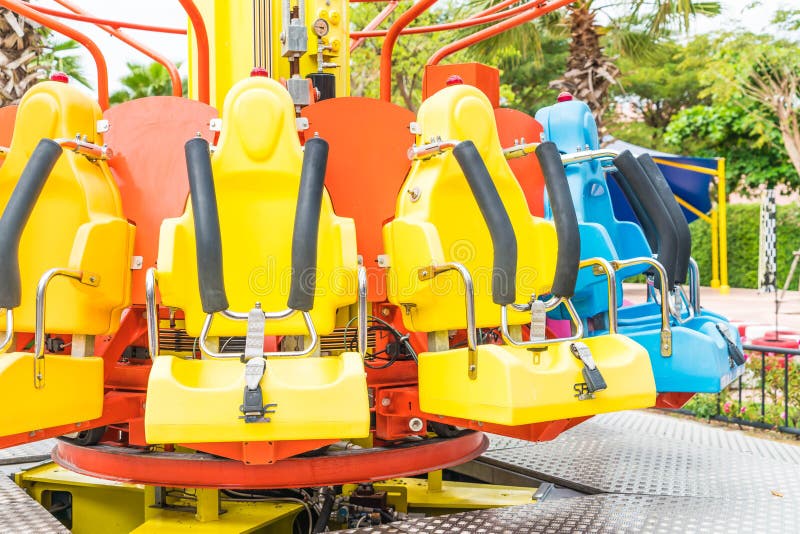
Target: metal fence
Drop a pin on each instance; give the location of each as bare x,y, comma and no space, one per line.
766,396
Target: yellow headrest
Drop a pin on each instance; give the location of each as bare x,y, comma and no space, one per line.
247,138
54,110
442,222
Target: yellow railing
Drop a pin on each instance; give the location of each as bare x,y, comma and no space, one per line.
717,218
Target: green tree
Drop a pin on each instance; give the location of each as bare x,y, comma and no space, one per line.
142,81
62,55
753,82
633,29
411,52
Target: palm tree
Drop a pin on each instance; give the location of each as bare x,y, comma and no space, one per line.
632,28
144,80
590,72
20,46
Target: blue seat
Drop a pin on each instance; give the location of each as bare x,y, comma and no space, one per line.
701,359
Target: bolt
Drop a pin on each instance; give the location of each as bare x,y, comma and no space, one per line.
472,368
385,312
386,401
415,424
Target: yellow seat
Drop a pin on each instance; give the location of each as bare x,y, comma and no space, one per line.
77,224
438,221
256,172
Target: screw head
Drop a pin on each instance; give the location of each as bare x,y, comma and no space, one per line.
415,424
386,401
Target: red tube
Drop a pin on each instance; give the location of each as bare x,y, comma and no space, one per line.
541,8
177,89
466,23
391,38
201,36
374,23
27,11
82,16
494,9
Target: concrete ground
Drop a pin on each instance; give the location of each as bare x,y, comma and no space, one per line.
742,305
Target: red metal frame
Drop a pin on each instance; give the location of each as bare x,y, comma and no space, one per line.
388,45
542,8
374,23
184,470
27,11
177,89
83,16
466,23
117,406
203,54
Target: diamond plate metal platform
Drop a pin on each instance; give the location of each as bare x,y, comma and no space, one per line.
645,472
20,514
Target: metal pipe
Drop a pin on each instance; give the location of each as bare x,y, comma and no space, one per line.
239,316
428,273
587,155
151,311
312,346
388,45
549,305
666,329
82,16
540,9
362,311
201,39
175,77
374,23
9,335
611,278
84,148
25,9
518,151
694,285
430,149
466,23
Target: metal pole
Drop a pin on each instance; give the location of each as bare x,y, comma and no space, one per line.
724,288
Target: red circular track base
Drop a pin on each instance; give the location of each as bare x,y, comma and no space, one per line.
200,470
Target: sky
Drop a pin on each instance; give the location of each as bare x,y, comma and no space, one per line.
735,13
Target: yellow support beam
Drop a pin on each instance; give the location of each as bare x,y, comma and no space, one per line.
717,218
722,200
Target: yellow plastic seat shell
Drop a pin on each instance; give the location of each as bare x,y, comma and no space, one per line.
256,169
72,392
511,388
442,223
77,223
316,398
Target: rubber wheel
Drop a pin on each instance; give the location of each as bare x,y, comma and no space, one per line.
444,431
87,437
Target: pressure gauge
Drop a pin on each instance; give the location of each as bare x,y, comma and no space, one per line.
321,27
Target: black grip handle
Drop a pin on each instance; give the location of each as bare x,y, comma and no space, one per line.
566,221
16,215
206,226
504,242
675,212
306,225
647,195
646,223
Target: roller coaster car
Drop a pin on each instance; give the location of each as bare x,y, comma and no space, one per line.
243,201
702,353
455,239
63,241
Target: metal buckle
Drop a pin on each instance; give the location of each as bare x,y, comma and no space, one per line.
591,374
253,407
735,354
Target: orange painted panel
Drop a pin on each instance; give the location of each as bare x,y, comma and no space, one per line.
367,166
147,136
515,125
484,77
8,114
